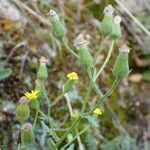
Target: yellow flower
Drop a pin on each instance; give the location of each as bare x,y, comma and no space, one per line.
72,76
32,96
97,111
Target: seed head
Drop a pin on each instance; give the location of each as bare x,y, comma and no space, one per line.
117,19
108,10
23,100
124,48
52,14
43,60
27,127
80,41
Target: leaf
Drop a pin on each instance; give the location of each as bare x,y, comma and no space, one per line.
92,120
71,147
126,143
90,141
5,73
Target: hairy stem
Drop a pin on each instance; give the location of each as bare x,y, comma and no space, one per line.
81,132
71,114
106,60
101,100
64,42
57,100
66,133
35,119
100,48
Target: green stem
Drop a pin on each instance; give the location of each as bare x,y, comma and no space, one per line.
106,60
86,98
48,102
50,123
100,48
19,147
71,114
78,138
64,42
66,133
81,132
35,119
57,100
101,100
98,92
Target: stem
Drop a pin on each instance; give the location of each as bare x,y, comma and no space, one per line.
19,147
64,42
86,98
48,101
98,92
71,114
35,119
66,133
81,132
57,100
133,18
99,50
50,123
106,60
101,100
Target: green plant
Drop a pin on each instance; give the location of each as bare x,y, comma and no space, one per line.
88,116
4,73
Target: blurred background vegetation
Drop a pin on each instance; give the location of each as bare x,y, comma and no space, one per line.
25,36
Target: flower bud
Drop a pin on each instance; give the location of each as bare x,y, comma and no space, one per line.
121,66
34,104
69,138
42,72
116,29
58,29
40,87
27,134
23,111
107,22
84,54
97,112
70,82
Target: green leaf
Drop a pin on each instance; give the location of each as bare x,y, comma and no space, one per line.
71,147
90,141
5,73
92,120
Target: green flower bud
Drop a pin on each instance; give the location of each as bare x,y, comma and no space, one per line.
42,72
70,82
27,134
116,30
69,137
40,87
58,29
84,54
121,66
23,111
34,104
107,22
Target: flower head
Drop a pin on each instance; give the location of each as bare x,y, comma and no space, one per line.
108,10
97,111
32,95
72,76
